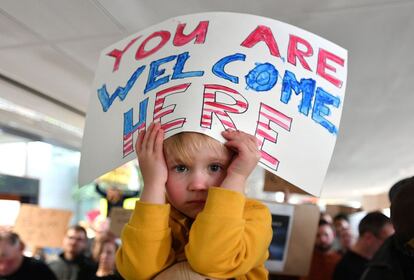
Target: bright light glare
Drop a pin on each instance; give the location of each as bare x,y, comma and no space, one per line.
10,210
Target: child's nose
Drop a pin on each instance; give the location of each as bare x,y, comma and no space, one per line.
198,182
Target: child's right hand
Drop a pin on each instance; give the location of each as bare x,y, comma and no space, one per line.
149,149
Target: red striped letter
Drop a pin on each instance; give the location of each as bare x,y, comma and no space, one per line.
211,106
160,111
264,132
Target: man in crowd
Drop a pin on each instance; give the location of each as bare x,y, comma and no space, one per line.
72,263
340,224
324,259
395,259
15,266
373,229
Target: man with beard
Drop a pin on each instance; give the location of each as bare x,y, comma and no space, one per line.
324,259
72,264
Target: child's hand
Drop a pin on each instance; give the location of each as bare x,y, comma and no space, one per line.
149,149
244,160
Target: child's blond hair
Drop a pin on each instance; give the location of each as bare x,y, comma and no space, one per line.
185,144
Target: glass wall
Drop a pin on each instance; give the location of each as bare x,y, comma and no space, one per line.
56,168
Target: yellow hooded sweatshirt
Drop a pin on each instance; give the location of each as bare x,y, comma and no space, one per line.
229,238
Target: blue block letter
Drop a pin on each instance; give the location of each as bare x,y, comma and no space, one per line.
179,66
262,78
154,72
122,92
129,126
306,86
320,110
218,67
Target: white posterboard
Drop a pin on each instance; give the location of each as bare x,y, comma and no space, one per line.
212,71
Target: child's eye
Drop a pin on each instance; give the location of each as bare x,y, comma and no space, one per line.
180,168
215,167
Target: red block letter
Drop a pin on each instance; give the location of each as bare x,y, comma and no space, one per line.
264,132
322,65
294,52
262,33
210,106
142,53
118,53
160,111
199,33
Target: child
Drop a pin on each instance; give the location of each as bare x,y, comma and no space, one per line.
193,208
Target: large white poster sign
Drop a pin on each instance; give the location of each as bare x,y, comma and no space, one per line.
212,71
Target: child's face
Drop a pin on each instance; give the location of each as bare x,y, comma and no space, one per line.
187,183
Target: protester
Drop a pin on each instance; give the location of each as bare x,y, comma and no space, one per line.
395,259
346,240
207,220
397,186
72,264
100,227
373,229
106,259
14,265
324,259
114,196
340,221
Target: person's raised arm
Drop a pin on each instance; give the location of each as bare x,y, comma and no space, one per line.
99,190
246,156
149,148
146,238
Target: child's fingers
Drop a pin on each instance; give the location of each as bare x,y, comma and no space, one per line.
138,143
242,143
150,136
241,147
158,141
242,137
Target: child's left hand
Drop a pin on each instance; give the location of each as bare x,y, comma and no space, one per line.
244,161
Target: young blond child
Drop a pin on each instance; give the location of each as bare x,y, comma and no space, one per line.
193,208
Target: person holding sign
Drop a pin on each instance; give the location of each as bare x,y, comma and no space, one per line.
193,208
114,196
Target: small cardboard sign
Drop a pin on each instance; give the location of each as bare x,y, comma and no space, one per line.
42,227
214,71
119,217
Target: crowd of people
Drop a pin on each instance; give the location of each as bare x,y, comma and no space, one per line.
81,258
383,249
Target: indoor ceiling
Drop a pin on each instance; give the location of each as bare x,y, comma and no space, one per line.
49,50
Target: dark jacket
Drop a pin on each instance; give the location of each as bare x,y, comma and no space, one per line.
393,261
31,269
81,268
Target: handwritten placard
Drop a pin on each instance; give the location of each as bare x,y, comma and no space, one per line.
119,217
212,71
42,227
